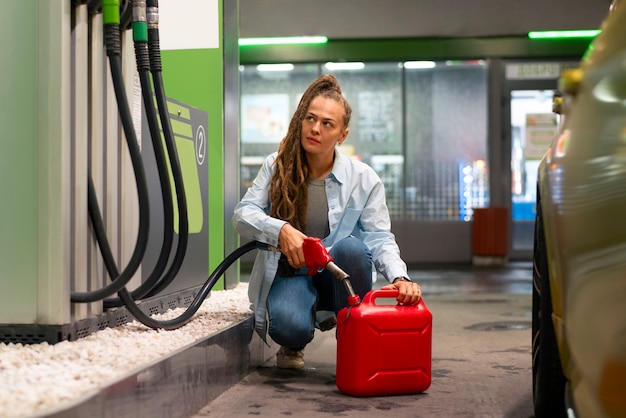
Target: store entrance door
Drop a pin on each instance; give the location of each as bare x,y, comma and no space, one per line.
529,125
533,125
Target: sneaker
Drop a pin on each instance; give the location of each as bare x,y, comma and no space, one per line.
325,320
328,323
287,358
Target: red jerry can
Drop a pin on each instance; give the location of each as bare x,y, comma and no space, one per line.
384,349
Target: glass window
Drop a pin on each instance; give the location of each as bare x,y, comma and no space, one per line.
375,93
446,140
269,96
424,130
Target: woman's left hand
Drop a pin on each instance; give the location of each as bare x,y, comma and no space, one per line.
409,293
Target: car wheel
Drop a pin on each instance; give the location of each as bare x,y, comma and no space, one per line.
548,378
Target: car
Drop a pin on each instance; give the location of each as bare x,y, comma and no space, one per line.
579,255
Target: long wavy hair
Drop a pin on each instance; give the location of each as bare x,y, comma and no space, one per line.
288,189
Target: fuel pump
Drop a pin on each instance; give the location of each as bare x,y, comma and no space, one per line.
146,41
88,228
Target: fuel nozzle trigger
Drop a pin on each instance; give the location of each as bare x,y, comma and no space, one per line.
317,258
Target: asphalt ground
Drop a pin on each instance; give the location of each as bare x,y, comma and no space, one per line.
481,359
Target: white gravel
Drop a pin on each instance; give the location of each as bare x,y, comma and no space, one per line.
42,377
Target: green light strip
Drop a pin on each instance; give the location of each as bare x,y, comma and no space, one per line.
288,40
562,34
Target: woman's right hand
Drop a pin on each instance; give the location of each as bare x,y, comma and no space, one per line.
290,240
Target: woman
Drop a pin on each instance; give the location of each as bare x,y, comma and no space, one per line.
308,188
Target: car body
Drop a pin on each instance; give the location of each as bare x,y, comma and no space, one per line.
579,292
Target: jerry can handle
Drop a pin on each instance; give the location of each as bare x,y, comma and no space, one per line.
372,295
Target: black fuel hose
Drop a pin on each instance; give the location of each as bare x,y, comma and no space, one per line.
153,285
127,299
204,291
121,280
195,305
161,98
143,68
112,37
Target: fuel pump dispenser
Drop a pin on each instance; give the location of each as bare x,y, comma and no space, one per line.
92,107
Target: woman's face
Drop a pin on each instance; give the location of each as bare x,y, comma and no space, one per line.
322,127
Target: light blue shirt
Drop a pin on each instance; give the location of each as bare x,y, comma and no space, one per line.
356,206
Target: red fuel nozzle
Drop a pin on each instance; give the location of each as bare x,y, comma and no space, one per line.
317,258
315,255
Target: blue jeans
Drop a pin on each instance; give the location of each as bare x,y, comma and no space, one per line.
293,301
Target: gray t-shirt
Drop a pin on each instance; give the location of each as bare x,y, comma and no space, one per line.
317,209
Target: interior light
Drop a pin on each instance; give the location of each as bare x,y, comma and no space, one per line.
285,40
562,34
453,63
419,64
275,67
338,66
